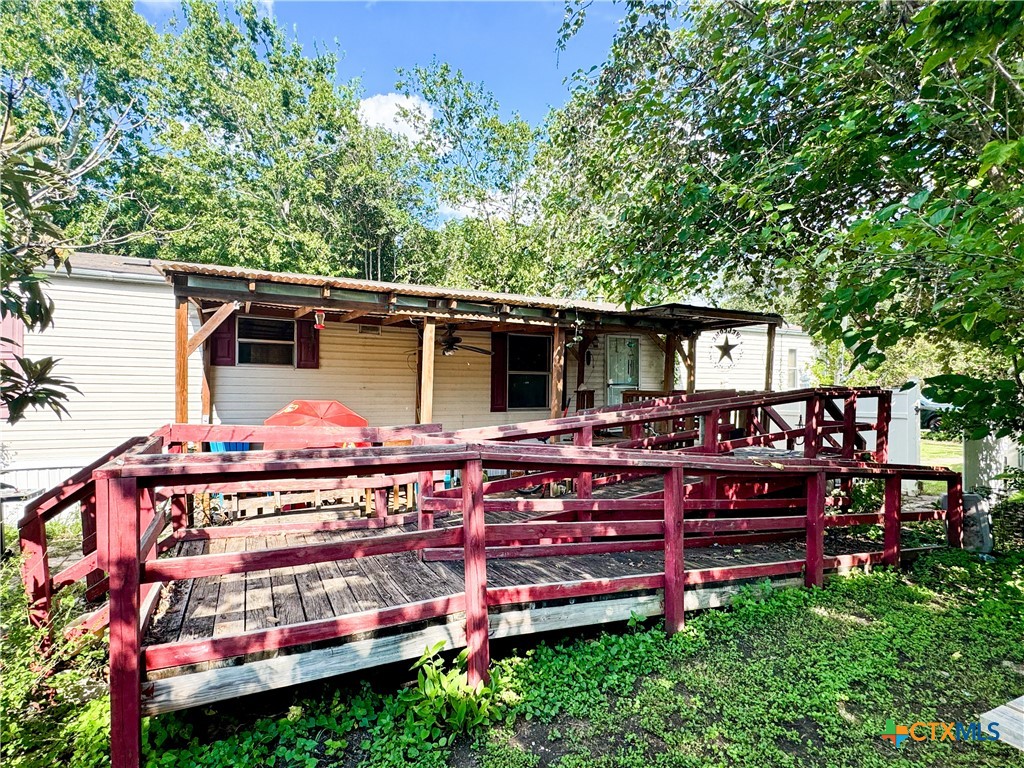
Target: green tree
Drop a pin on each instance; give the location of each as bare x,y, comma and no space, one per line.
864,157
480,168
72,98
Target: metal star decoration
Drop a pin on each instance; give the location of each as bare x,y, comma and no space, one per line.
725,350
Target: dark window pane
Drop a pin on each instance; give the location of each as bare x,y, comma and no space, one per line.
265,354
527,390
529,353
262,329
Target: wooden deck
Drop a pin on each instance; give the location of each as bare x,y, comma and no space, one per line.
200,612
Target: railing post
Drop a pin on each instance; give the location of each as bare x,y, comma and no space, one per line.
35,570
955,512
118,498
380,502
477,629
90,535
675,577
424,518
584,438
882,427
814,575
850,425
712,420
891,520
812,427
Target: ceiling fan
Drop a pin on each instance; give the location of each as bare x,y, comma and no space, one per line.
450,342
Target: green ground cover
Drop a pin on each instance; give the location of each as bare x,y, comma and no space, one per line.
785,678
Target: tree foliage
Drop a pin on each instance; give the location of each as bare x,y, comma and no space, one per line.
480,167
865,156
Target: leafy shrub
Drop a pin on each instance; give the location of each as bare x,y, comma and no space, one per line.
54,704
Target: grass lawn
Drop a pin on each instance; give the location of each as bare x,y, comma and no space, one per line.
942,454
786,678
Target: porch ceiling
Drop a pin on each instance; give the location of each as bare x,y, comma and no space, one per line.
372,302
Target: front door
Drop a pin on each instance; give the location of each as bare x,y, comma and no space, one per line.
623,366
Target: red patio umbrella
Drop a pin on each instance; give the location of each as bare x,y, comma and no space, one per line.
314,413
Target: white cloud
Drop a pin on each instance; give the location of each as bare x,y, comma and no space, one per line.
384,110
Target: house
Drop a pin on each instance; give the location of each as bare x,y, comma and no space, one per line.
150,342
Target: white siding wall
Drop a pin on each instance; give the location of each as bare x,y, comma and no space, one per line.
748,372
115,341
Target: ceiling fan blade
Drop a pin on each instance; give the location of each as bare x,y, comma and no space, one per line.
478,350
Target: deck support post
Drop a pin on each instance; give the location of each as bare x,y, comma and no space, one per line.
477,628
891,520
769,360
882,427
426,383
814,575
119,498
557,372
812,427
955,513
584,480
675,577
181,360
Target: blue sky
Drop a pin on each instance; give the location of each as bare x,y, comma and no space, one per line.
510,46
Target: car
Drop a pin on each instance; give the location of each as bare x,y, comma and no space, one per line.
931,412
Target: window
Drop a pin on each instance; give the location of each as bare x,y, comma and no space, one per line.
263,341
529,371
791,369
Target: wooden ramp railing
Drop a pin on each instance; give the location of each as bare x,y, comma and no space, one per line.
690,494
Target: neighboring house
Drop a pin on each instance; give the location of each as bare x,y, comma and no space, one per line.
124,327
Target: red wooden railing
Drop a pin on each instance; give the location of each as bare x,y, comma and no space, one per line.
704,496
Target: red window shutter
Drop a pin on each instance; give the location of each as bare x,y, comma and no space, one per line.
307,344
499,372
222,342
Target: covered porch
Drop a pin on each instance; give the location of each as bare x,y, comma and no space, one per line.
402,353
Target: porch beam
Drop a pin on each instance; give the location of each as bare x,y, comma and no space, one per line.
426,383
223,313
355,314
302,312
557,371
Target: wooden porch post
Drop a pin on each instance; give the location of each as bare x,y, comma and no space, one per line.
557,371
668,378
769,364
427,371
181,360
691,368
